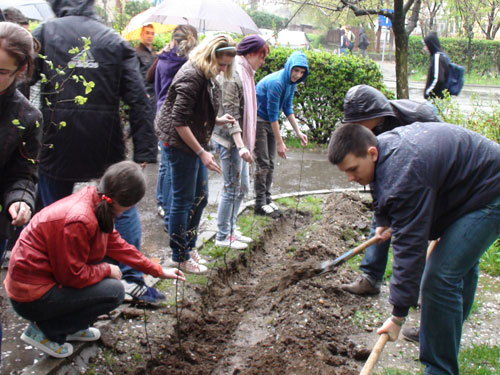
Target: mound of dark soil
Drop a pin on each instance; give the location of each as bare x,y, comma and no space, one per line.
262,314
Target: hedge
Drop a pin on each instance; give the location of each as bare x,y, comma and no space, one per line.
318,102
485,54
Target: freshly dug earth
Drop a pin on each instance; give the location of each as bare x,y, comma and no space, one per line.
256,315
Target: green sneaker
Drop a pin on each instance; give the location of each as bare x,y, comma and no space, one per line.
33,336
89,334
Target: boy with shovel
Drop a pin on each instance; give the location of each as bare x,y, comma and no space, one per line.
367,106
428,181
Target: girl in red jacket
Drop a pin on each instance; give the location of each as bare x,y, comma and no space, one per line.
59,276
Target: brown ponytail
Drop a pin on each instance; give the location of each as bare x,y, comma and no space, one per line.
123,184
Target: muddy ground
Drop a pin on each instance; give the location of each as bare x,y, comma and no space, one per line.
259,315
255,316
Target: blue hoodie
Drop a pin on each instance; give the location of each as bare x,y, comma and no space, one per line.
275,91
168,65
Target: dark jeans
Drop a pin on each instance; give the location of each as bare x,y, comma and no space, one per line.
63,311
189,198
449,285
265,155
375,260
127,224
165,184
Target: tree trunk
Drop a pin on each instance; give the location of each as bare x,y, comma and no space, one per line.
401,39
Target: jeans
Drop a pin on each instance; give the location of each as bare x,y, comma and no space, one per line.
375,260
127,224
265,155
449,283
63,311
236,184
166,184
159,180
189,198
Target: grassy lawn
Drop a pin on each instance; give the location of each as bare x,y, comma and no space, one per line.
471,79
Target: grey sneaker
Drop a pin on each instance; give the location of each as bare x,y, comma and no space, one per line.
361,287
411,334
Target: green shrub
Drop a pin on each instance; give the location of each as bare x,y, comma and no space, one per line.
318,102
485,54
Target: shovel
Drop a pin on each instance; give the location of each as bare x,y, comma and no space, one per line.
329,265
372,359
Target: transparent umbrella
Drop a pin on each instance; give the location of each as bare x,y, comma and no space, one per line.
204,15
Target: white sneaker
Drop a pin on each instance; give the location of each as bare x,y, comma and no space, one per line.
232,242
160,210
197,257
89,334
273,206
190,266
240,237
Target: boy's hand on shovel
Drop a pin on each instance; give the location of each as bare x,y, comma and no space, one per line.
392,326
382,234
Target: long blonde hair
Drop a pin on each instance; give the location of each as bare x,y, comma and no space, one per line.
206,54
186,38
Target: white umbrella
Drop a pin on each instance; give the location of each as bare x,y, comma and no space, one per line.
204,15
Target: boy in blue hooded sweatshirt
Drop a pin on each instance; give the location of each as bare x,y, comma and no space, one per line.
275,94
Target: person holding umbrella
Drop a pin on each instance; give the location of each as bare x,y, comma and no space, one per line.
185,122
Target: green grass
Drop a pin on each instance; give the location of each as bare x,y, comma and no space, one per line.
479,360
309,203
471,79
490,261
291,141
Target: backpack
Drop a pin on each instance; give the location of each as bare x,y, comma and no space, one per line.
455,80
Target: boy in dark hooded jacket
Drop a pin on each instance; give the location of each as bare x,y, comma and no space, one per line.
437,75
367,106
275,94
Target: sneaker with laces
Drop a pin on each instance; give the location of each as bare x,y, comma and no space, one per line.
89,334
190,266
273,206
411,334
266,210
240,237
232,242
33,336
197,257
140,292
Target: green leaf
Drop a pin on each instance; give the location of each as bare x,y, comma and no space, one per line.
80,100
71,65
74,50
62,124
16,122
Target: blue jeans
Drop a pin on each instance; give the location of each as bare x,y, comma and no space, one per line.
235,172
189,198
63,311
375,260
449,283
159,180
127,224
166,184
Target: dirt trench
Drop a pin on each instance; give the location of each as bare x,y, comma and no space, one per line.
255,316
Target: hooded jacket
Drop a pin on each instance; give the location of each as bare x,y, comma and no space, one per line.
19,149
437,75
275,91
93,136
167,66
426,177
363,102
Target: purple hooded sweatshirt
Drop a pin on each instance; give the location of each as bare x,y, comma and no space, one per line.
168,65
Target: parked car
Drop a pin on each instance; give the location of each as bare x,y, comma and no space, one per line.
36,10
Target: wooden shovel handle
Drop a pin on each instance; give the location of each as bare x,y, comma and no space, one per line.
363,246
373,358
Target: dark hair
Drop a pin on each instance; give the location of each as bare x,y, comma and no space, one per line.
20,44
125,184
350,139
14,15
